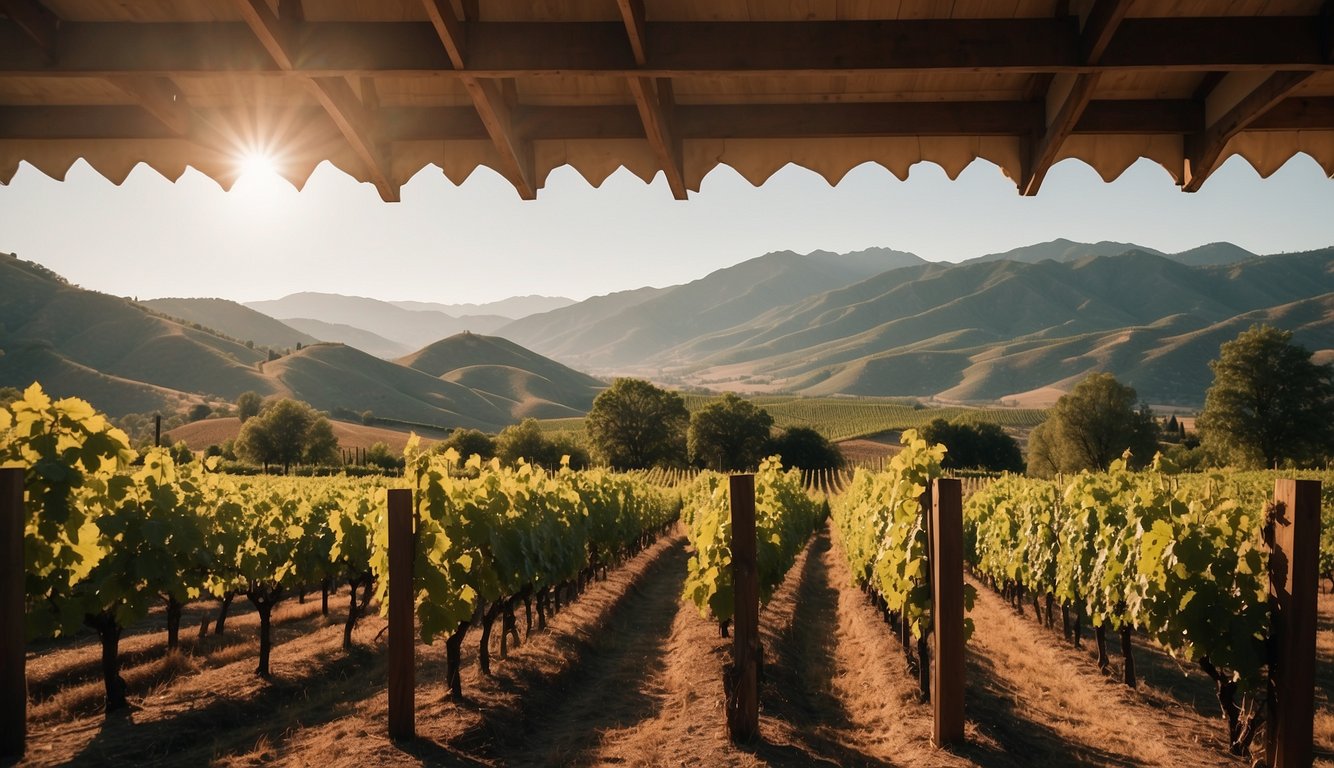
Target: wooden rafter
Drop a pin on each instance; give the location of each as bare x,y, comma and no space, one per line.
1204,150
679,49
1099,28
514,151
333,92
37,22
653,99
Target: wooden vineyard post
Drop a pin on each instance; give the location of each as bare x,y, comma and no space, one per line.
402,624
947,589
743,702
1293,583
13,680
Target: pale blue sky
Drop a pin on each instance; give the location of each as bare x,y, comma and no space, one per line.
479,242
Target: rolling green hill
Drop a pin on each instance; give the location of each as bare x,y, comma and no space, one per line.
126,359
515,379
110,351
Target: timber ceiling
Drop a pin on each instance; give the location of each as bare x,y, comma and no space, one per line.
382,89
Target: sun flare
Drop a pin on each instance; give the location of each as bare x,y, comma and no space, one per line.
257,164
258,177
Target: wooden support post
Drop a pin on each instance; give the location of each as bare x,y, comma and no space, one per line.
1293,584
743,704
13,681
157,430
402,626
947,588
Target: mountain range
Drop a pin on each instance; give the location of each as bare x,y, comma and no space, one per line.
1018,326
1023,325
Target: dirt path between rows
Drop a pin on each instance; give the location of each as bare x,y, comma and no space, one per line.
630,675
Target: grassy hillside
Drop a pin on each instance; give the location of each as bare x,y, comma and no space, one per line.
235,320
989,330
109,351
514,379
338,377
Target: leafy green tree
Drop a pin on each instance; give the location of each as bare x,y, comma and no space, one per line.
199,412
805,448
975,446
379,455
468,442
1092,426
8,395
321,443
730,434
1269,402
634,425
368,418
525,440
287,432
248,405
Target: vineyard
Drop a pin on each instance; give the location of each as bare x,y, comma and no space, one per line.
567,617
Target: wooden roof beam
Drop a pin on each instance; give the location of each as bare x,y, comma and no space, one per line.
677,49
37,22
514,151
1234,104
653,99
159,96
334,94
1099,26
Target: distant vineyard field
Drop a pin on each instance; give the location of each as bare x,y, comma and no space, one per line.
840,418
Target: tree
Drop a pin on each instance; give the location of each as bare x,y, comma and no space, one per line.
468,442
634,425
248,405
1092,426
525,440
287,432
321,443
1269,402
199,412
368,418
805,448
975,446
730,434
379,455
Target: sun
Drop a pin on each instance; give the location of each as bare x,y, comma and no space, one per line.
257,164
258,177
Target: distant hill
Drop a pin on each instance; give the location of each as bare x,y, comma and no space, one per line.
514,307
110,351
411,328
513,378
630,327
1062,250
370,343
1213,254
235,320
